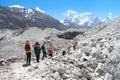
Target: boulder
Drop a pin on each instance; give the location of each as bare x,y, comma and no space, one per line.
99,39
65,76
100,71
87,76
61,71
1,62
36,67
56,76
108,76
110,49
93,44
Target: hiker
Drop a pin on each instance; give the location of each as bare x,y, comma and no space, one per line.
68,48
37,50
28,49
50,50
63,52
44,50
74,44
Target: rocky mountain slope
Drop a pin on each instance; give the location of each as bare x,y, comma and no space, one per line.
16,18
11,20
96,57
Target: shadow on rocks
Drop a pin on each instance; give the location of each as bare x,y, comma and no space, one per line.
26,65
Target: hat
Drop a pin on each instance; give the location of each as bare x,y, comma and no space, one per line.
37,43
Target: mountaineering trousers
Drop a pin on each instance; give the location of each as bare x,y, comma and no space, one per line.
44,55
28,61
74,47
37,56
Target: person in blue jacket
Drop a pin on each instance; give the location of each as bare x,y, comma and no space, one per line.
44,50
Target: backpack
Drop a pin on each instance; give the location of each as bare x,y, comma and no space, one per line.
43,48
37,49
50,50
27,47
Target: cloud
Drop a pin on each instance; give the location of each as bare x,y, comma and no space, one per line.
18,6
38,9
110,15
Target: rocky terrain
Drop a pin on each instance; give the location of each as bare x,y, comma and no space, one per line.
96,57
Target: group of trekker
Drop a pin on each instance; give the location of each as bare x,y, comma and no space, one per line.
69,47
44,49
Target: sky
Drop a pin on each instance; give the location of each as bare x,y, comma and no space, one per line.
57,8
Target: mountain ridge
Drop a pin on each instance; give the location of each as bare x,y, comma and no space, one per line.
12,18
83,19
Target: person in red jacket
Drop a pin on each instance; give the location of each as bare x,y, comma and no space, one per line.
28,50
68,48
50,50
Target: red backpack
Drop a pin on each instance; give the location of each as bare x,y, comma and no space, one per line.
27,47
50,50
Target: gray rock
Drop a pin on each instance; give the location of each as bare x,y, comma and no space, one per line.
81,66
30,69
110,49
1,62
53,70
84,44
99,39
88,76
11,59
93,44
64,76
61,71
83,78
98,55
86,51
101,44
92,65
36,67
108,76
78,75
100,71
84,71
56,76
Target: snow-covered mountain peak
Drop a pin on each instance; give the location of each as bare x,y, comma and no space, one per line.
71,14
86,19
16,6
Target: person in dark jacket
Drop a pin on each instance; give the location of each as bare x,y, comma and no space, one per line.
37,50
63,52
44,50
